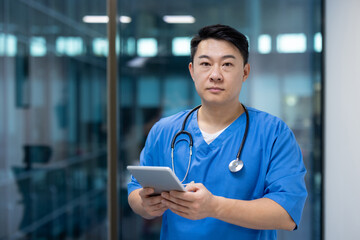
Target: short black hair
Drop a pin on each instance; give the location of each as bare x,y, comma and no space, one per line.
222,32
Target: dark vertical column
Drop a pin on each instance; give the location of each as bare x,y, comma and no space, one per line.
112,122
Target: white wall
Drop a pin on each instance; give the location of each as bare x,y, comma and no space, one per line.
342,120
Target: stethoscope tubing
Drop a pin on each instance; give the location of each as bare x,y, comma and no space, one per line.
183,131
245,133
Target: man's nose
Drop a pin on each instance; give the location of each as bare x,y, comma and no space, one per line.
216,74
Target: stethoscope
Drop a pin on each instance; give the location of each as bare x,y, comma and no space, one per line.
234,166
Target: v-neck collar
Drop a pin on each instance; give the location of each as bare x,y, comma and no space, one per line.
240,122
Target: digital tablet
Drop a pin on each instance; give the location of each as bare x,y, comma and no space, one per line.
162,179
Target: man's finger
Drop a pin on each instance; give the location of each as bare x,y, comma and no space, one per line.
178,200
146,192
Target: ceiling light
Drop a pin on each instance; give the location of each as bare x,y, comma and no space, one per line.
104,19
95,19
125,19
179,19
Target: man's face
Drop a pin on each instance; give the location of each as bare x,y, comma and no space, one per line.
218,72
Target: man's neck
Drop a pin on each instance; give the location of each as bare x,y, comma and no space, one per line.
215,118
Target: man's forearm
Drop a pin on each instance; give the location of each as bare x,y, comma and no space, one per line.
261,213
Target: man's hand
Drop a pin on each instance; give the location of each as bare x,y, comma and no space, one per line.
196,203
148,206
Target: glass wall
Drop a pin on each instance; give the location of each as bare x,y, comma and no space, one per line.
285,80
53,169
53,120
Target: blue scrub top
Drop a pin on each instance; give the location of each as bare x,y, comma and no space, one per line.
273,168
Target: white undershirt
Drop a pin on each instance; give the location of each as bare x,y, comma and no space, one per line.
209,137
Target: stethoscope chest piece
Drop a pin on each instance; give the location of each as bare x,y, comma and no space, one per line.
236,165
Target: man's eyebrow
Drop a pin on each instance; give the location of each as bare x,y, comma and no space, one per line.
228,56
223,57
203,56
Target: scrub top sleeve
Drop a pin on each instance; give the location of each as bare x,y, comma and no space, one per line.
134,184
284,181
146,158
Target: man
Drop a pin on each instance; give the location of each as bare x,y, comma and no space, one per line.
267,194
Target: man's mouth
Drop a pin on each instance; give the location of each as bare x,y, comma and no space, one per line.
215,89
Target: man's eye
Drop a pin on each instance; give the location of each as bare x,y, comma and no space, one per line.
205,64
228,64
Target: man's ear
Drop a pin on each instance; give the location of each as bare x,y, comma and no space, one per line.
246,72
191,70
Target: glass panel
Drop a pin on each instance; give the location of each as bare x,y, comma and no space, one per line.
285,80
53,120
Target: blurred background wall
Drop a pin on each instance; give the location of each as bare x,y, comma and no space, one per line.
342,120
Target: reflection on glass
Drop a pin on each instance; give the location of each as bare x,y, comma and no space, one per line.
53,127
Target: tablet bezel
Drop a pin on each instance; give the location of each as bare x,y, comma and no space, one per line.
162,179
